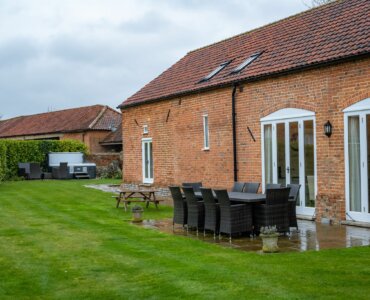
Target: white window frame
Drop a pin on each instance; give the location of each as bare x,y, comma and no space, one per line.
145,141
360,109
205,132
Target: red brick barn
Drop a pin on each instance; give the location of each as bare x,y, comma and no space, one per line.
253,108
92,125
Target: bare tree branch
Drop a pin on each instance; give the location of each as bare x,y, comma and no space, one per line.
315,3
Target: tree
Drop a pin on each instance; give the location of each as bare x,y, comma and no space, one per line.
315,3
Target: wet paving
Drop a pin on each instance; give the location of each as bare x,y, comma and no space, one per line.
310,236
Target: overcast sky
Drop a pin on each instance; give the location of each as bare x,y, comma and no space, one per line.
57,54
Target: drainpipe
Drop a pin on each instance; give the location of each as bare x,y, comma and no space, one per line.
233,108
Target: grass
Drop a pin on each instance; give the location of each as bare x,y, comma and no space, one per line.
59,240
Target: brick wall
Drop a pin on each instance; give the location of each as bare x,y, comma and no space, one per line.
103,159
178,141
105,162
90,138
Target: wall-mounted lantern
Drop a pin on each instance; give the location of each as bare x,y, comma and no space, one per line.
328,128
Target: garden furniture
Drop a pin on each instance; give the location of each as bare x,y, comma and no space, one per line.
128,196
293,197
234,218
211,212
273,186
23,169
180,211
195,185
247,198
195,209
61,172
238,187
251,187
275,212
35,171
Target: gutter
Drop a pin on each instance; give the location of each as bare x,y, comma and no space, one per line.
110,143
233,109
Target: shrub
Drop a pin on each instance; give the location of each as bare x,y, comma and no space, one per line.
112,171
13,152
269,230
2,160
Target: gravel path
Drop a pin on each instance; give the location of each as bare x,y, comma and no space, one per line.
109,188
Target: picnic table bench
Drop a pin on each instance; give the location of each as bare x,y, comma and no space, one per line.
128,196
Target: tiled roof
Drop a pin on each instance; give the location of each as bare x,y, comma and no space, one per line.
96,117
115,137
324,34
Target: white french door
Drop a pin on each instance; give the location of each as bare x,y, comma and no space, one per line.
357,164
147,160
289,156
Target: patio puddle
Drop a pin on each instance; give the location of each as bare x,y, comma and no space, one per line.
310,236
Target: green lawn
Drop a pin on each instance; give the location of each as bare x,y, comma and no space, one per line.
59,240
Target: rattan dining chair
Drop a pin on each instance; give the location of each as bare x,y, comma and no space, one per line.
275,212
195,209
234,218
211,212
251,187
180,211
293,198
195,185
35,171
273,186
238,187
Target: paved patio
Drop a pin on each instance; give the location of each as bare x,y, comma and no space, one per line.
311,236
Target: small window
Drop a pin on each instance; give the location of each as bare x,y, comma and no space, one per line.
206,132
145,129
245,63
215,71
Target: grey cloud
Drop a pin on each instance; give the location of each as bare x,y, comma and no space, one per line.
106,60
81,50
150,22
18,51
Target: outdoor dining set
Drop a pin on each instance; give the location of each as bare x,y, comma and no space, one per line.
240,211
33,170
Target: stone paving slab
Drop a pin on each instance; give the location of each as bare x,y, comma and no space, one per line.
310,236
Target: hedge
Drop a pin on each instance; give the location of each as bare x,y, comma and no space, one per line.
13,152
2,161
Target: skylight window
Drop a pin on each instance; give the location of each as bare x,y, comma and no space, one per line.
245,63
215,71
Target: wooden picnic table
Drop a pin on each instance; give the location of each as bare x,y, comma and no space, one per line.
139,195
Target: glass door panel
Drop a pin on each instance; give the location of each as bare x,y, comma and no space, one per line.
294,152
146,160
309,163
267,130
147,156
354,163
281,163
151,160
368,160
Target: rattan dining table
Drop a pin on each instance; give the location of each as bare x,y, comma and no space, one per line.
248,198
